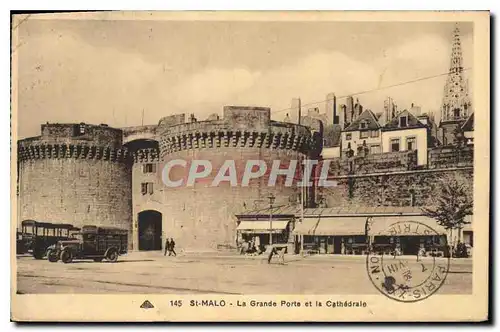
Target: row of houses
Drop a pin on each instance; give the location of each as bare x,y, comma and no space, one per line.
405,131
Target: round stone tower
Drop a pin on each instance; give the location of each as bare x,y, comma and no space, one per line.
76,173
202,216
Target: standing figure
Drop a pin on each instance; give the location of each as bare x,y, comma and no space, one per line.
272,251
172,247
167,247
281,256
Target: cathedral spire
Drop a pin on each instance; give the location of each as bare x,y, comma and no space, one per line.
456,102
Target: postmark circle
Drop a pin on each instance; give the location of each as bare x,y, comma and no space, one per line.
406,278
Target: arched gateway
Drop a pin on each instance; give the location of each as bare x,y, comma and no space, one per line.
150,222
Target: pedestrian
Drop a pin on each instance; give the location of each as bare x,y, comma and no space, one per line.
172,248
167,247
272,251
281,256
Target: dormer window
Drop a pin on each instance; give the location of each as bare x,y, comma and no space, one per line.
403,121
79,129
363,125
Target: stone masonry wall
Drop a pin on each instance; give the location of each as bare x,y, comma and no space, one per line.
76,191
203,217
392,189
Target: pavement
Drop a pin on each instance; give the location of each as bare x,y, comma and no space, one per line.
222,273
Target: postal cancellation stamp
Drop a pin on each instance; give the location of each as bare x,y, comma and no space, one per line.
407,278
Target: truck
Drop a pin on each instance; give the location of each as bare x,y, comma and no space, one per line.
35,236
92,242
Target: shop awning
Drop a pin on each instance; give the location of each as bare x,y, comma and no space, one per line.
331,226
351,226
262,226
405,226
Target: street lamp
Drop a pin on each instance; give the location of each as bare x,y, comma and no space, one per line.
271,201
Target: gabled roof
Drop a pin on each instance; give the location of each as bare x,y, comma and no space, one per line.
412,122
469,123
369,117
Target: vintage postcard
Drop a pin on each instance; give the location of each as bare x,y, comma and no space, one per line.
250,166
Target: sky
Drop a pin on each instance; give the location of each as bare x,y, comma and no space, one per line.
126,72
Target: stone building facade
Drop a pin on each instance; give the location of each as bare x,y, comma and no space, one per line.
202,217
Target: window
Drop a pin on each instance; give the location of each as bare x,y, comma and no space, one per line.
364,134
403,121
89,237
149,168
374,149
348,136
362,125
456,112
411,143
147,187
394,144
374,133
79,129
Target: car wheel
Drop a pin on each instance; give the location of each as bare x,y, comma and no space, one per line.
52,256
37,254
112,256
66,256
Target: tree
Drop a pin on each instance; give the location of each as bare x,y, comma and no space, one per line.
459,139
453,204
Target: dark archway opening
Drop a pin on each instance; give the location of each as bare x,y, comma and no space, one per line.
150,230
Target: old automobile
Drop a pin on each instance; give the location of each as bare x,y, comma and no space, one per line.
93,242
35,237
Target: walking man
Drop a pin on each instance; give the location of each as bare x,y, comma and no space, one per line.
167,247
172,247
272,251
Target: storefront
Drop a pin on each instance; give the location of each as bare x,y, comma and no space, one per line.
347,234
343,231
256,232
332,235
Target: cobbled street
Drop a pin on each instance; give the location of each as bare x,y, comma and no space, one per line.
151,272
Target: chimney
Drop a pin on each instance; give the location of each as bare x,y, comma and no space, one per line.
390,110
350,110
342,116
295,111
358,109
415,110
331,107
